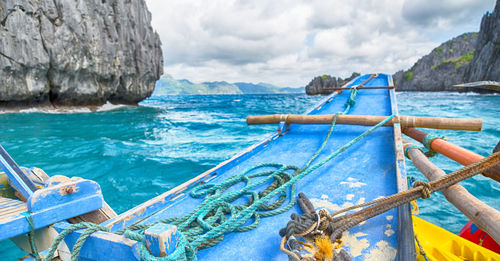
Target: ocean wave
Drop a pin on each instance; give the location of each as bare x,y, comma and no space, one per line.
71,109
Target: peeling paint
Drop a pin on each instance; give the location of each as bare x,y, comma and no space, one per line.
382,252
360,201
355,245
353,183
331,207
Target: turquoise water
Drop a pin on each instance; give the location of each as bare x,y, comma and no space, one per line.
136,153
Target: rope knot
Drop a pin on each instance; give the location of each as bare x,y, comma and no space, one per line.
425,187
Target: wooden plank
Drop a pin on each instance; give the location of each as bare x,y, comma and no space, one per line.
484,216
18,179
161,239
406,242
359,88
366,120
54,204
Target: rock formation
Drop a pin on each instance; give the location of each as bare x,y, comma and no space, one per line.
320,84
441,69
467,58
77,53
486,62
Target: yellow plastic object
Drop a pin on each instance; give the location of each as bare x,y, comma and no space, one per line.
442,245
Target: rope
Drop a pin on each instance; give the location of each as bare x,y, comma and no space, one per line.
411,147
382,205
337,225
31,235
207,224
421,250
425,188
427,141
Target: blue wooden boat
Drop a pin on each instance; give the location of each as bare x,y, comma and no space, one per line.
371,168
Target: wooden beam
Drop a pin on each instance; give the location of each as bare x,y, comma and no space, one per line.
359,88
484,216
406,121
452,151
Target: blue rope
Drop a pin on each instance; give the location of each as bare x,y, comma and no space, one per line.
31,235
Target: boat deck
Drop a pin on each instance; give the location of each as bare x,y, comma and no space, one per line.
364,172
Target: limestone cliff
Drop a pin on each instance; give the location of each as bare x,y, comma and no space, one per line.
440,69
320,84
486,62
74,52
467,58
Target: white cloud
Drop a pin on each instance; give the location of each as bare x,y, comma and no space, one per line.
289,42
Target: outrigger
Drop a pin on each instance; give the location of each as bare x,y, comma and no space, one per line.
345,157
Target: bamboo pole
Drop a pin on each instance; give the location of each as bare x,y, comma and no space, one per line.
406,121
452,151
484,216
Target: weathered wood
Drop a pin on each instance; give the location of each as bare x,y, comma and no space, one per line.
359,88
97,216
406,121
454,152
161,239
484,216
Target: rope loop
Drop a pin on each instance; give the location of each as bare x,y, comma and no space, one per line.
428,139
425,188
412,147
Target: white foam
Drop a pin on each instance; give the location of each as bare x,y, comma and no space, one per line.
109,106
71,109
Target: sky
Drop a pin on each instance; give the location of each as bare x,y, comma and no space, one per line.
289,42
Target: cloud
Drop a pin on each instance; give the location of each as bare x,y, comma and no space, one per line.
443,13
289,42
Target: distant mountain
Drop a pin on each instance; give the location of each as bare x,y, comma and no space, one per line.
167,85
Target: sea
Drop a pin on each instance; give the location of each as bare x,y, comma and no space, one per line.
138,152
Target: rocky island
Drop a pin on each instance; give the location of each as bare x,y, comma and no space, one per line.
76,53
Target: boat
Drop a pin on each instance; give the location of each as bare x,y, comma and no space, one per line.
435,244
489,85
235,211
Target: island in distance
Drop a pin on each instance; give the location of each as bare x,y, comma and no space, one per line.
167,85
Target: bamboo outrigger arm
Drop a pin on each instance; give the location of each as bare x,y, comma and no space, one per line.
484,216
452,151
405,121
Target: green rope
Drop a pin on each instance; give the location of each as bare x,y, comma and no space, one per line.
411,147
31,235
207,224
428,139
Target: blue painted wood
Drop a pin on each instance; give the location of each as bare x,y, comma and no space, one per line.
100,246
17,177
366,171
161,239
53,204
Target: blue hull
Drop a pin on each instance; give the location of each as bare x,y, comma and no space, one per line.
372,168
